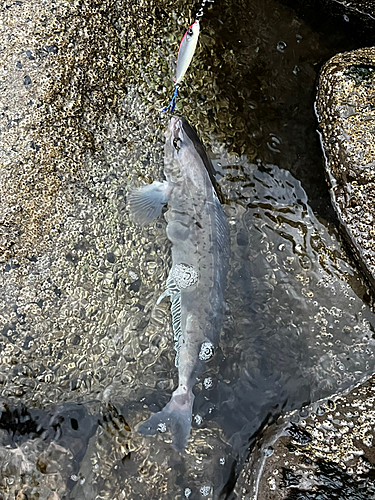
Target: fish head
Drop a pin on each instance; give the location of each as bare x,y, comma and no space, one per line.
175,134
177,149
181,143
180,134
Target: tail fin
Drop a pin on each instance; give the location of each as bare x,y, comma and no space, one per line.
176,416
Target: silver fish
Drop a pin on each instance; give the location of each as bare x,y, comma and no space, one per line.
198,231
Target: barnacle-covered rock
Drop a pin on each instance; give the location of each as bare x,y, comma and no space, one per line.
81,84
321,452
346,115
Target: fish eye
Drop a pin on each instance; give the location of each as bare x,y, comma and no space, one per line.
175,144
190,31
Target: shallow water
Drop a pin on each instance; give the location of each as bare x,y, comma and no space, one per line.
295,331
89,355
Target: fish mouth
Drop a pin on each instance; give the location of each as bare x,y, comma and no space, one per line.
175,125
175,130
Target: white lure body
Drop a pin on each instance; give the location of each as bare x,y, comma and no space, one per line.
186,51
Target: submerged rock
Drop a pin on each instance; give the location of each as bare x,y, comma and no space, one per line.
363,8
40,451
346,115
321,453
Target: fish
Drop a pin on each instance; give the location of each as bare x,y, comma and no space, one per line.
185,54
198,231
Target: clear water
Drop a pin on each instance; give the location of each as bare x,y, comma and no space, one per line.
295,331
86,352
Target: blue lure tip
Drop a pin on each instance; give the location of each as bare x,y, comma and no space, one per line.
172,104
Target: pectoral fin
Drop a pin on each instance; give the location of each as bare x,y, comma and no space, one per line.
146,203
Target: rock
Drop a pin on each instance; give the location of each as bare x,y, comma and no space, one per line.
362,8
355,12
345,112
69,151
81,85
40,450
328,453
76,277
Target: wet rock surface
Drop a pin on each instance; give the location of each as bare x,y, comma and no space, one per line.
323,453
359,14
344,107
364,8
70,145
85,355
41,450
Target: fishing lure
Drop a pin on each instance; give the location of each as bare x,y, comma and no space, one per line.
185,55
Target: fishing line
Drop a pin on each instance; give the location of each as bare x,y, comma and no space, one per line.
199,14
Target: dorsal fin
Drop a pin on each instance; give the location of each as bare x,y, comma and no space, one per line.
191,133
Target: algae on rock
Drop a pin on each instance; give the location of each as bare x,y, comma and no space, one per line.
346,114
